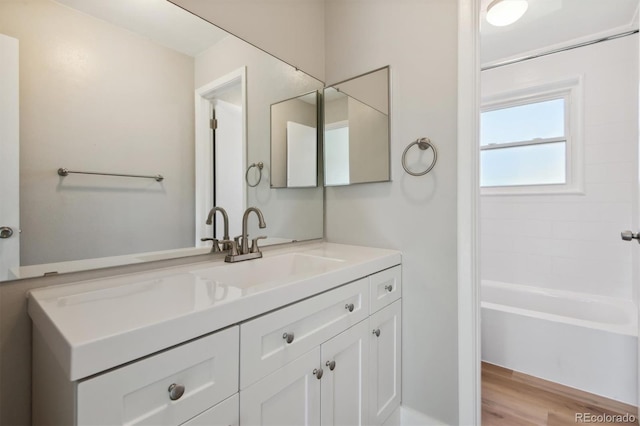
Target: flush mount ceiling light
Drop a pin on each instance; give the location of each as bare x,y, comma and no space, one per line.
501,13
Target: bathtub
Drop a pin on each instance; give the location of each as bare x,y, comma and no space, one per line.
583,341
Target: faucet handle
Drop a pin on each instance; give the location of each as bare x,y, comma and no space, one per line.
233,244
214,248
254,244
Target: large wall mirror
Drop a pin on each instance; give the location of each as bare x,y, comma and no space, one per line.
356,130
109,86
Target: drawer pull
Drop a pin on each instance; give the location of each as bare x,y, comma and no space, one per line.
176,391
318,373
288,337
349,307
377,332
389,288
331,365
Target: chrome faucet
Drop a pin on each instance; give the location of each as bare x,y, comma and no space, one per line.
240,249
225,244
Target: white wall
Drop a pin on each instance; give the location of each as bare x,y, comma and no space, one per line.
292,30
295,213
572,242
99,98
416,215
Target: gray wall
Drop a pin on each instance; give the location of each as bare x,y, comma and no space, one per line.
99,98
416,215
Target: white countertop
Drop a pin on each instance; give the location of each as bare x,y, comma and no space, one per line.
95,325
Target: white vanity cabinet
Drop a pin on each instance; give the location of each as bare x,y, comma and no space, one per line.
319,347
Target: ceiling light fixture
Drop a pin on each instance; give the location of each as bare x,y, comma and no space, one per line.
501,13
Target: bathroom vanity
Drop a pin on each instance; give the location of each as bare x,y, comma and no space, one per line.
307,335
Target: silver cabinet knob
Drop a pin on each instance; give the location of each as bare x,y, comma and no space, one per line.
331,365
389,288
288,337
5,232
176,391
628,236
318,373
376,332
349,306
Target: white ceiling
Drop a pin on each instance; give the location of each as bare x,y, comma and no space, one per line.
550,24
158,20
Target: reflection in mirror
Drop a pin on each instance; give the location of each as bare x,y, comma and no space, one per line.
294,142
108,86
356,130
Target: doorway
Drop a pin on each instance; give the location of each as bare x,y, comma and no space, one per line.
558,182
221,151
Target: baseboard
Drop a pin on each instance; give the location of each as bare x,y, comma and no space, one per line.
405,416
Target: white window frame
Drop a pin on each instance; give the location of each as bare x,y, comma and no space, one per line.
569,89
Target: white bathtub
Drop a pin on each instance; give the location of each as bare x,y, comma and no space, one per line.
583,341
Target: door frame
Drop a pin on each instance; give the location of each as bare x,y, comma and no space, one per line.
469,382
9,153
204,147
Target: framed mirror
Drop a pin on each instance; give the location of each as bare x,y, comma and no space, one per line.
356,130
294,142
108,87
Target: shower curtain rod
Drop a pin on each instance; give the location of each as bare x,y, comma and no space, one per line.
561,49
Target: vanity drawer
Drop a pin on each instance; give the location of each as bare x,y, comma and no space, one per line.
226,413
138,393
386,287
273,340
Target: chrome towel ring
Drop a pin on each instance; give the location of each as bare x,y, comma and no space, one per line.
423,144
259,165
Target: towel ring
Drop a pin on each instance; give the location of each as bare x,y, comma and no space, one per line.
423,144
259,165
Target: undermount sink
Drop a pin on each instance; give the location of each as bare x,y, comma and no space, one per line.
268,272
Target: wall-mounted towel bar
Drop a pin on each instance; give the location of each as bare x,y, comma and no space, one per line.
259,166
423,144
64,172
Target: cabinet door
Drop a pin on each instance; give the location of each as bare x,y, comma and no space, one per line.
385,363
288,396
345,389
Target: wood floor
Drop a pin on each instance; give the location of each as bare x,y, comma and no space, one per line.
510,398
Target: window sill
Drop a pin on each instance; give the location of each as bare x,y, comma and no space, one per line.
531,190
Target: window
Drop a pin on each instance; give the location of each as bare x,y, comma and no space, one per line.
529,144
